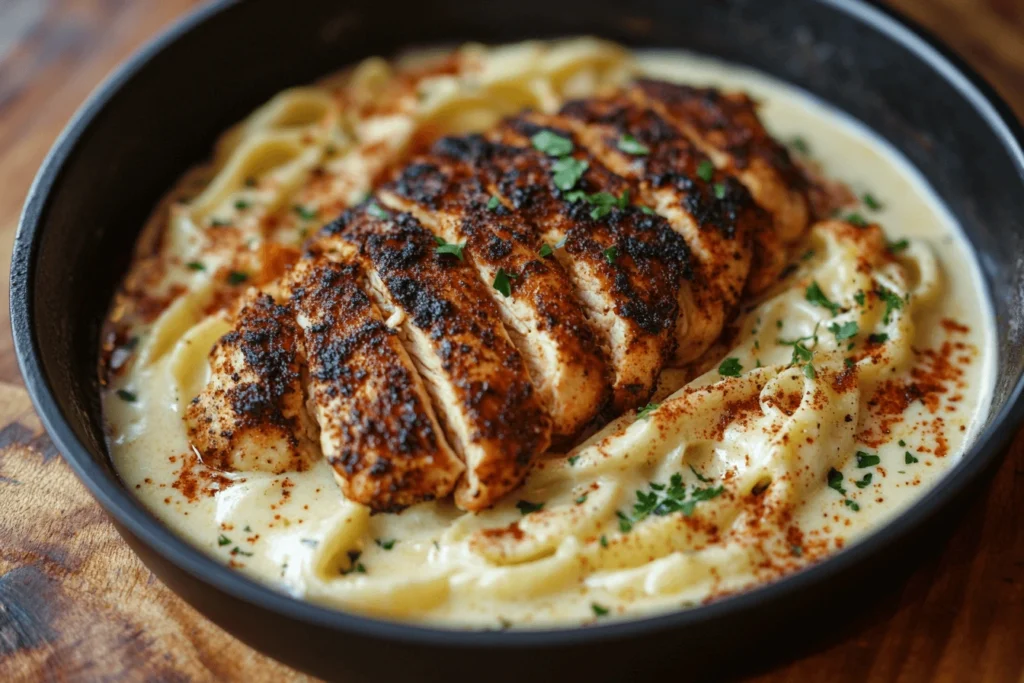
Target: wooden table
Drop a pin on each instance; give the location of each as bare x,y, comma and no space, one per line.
76,604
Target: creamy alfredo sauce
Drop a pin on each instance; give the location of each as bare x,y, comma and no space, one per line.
840,453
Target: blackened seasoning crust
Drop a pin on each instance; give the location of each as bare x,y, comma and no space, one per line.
378,430
251,414
477,378
544,320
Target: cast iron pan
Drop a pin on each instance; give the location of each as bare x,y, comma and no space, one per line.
161,112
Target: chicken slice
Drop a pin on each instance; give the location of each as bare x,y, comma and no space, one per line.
540,312
627,266
725,126
712,210
377,428
452,329
250,416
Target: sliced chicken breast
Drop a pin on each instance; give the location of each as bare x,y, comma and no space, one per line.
627,266
452,329
250,416
710,209
377,427
725,126
541,315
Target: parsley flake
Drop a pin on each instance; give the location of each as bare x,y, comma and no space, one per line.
376,211
526,507
610,254
126,395
493,203
852,504
444,247
867,459
502,283
567,171
386,544
878,338
646,411
871,202
545,250
814,295
809,371
864,481
630,145
719,189
223,540
893,302
236,277
599,611
835,480
306,213
800,145
242,205
730,367
706,170
847,330
700,477
856,219
859,298
551,143
573,459
908,458
898,246
195,265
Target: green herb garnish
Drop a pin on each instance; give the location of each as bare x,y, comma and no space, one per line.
814,295
223,540
646,411
863,481
908,458
493,203
195,265
444,247
526,507
306,213
502,283
551,144
567,171
126,395
706,170
237,277
867,459
386,544
610,254
847,330
376,211
730,367
630,145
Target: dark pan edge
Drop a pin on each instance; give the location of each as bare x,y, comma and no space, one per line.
988,448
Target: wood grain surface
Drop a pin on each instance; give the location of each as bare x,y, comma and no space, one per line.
77,605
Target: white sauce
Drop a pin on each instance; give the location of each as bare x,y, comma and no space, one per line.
291,530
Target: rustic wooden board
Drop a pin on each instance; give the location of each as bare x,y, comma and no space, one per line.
76,604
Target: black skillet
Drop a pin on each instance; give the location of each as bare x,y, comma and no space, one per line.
160,113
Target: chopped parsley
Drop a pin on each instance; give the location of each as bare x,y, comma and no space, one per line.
630,145
238,551
603,202
242,205
807,255
859,298
126,395
582,499
706,170
648,210
809,371
867,459
526,507
719,189
800,145
551,144
386,544
730,367
898,246
237,277
223,540
908,458
863,481
700,477
852,504
610,254
878,338
219,222
847,330
599,611
646,411
502,283
306,213
604,541
573,459
835,480
849,362
374,210
901,443
663,500
871,202
354,564
893,302
856,219
493,203
567,171
444,247
545,250
817,297
195,265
